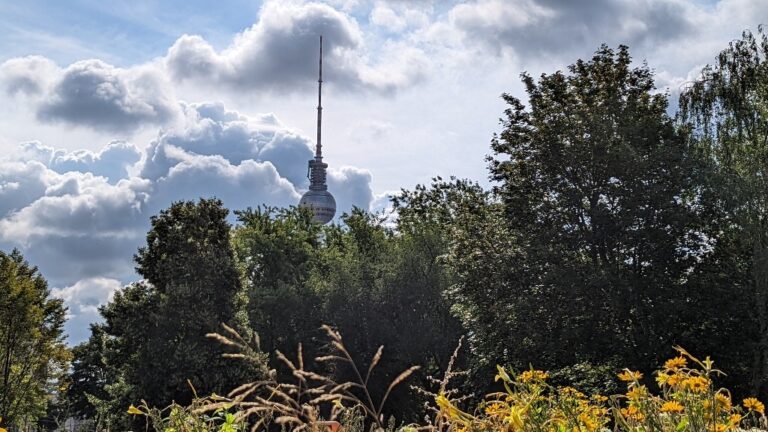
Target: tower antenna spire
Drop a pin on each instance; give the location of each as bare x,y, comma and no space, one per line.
317,198
319,147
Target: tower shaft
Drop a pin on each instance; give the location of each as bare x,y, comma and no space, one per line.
319,146
318,199
317,174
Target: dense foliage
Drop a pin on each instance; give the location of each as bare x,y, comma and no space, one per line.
153,345
374,286
33,356
726,111
597,217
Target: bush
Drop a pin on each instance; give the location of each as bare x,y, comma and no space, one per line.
687,401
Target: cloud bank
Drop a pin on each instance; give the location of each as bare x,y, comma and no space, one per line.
279,54
81,215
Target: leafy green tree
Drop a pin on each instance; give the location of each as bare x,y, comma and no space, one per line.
90,377
726,110
154,345
276,251
189,263
33,356
375,285
600,227
385,286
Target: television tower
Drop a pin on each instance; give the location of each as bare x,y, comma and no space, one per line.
317,199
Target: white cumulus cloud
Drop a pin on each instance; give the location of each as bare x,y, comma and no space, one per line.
81,215
279,54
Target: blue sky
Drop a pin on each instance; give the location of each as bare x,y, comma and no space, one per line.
109,111
122,33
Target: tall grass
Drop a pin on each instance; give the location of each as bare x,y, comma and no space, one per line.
688,400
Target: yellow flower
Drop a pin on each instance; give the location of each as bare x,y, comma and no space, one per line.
674,380
672,407
723,402
631,412
636,392
721,427
668,379
590,423
696,384
133,410
753,404
599,398
662,378
628,375
572,392
496,409
734,419
533,375
676,363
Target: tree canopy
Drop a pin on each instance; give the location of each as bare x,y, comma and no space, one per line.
33,356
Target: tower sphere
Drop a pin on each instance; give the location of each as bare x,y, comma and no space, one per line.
321,203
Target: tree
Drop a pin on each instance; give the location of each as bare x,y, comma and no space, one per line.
156,329
90,377
276,251
376,286
33,356
726,110
383,286
600,228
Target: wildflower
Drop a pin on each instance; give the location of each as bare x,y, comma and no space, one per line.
672,407
668,379
676,363
533,375
637,392
631,412
734,419
723,402
628,375
662,378
721,427
572,392
599,398
496,409
753,404
696,384
589,422
675,380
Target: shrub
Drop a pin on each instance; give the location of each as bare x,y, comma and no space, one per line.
688,401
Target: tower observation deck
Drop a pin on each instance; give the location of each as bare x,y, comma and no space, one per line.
317,199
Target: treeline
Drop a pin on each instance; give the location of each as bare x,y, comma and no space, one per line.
613,232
